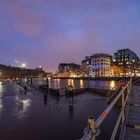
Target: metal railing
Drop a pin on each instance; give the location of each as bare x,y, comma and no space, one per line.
90,133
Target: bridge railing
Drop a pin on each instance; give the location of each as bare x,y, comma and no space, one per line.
92,130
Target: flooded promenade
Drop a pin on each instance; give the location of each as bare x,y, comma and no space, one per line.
36,115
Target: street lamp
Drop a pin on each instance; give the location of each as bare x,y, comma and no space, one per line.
23,65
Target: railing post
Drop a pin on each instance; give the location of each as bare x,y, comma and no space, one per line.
91,126
123,117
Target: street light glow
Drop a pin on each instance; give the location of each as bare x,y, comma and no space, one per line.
23,65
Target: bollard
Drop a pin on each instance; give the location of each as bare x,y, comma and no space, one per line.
70,89
31,81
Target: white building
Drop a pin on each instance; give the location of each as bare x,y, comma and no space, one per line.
99,66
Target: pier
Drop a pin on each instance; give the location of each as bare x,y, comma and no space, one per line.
128,122
132,128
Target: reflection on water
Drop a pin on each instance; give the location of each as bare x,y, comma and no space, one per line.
57,83
81,83
70,82
1,88
112,84
71,107
26,104
1,94
1,104
23,102
64,83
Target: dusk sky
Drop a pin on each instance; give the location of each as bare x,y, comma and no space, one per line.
48,32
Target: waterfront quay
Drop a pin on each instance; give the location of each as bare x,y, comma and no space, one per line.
36,115
77,86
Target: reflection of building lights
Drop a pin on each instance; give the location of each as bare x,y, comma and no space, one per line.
58,83
25,79
112,84
1,89
1,104
81,83
70,82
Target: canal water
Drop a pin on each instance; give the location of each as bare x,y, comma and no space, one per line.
36,115
64,83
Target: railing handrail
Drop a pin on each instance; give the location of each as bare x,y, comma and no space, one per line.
109,108
106,112
125,105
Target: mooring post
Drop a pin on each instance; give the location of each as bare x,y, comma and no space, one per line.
70,90
47,82
31,81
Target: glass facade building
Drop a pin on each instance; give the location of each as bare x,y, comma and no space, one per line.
126,59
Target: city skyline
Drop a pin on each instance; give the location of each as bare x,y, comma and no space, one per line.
49,32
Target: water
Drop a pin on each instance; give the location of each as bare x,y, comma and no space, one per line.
58,83
37,116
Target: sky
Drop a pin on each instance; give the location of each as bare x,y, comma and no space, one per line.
49,32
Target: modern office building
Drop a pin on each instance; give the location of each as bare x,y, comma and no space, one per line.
127,60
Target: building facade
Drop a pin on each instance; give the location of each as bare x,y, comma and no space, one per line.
68,69
101,64
128,61
86,68
98,65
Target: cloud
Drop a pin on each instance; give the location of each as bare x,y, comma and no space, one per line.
48,32
23,19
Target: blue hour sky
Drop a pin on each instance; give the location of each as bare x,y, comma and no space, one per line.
48,32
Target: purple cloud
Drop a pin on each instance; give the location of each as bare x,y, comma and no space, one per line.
48,32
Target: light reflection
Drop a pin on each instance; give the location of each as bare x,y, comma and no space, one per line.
56,83
1,94
112,84
81,83
1,106
22,106
1,88
70,82
26,104
49,81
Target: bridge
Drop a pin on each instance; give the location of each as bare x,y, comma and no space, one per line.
128,122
